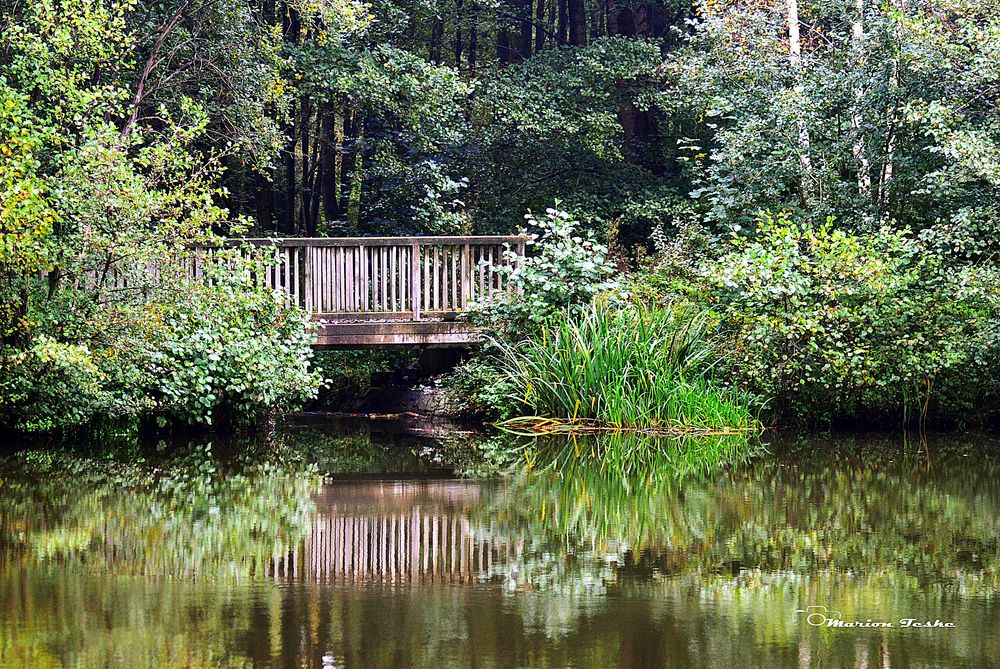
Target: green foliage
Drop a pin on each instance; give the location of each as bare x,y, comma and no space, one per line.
479,387
99,315
49,384
639,366
226,348
404,177
884,121
563,272
199,351
832,324
550,127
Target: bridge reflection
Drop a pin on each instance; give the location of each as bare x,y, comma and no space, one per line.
394,532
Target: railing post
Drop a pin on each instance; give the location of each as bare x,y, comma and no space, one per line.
307,278
520,259
415,279
466,275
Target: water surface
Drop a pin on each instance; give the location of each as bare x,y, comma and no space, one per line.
394,551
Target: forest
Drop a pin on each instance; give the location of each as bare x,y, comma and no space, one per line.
742,212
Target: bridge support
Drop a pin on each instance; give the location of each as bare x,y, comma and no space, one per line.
374,334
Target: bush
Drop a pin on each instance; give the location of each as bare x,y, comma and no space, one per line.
564,271
229,348
479,387
831,324
224,348
48,384
626,367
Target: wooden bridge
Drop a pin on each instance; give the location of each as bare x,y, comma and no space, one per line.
385,291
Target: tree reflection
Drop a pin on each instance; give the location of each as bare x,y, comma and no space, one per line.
196,517
637,506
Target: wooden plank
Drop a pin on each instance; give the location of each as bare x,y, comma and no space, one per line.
384,257
307,279
287,268
393,280
404,278
328,279
333,278
356,296
342,279
366,280
437,278
490,272
415,294
425,292
453,252
466,276
481,283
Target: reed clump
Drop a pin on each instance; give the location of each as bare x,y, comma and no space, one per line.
626,367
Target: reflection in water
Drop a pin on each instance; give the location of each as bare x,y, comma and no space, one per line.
610,551
394,532
195,522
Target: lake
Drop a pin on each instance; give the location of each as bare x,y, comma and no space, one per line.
333,545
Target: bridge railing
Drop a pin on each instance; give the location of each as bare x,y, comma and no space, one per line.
385,278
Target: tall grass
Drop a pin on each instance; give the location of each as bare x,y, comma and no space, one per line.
638,367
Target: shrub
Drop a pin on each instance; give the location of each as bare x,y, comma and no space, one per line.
831,324
564,271
479,386
626,367
200,351
48,384
229,347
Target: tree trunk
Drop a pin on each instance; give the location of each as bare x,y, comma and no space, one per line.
305,191
795,60
886,173
437,37
354,201
286,202
563,33
503,47
551,29
458,34
640,129
857,118
577,22
612,17
328,162
474,36
290,30
348,145
264,188
539,25
524,22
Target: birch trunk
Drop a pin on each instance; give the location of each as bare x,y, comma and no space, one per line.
795,60
857,118
885,178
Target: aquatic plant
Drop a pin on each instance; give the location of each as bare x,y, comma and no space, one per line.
629,366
